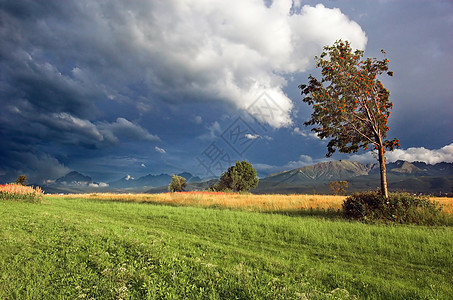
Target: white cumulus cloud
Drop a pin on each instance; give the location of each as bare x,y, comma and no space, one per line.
305,133
160,150
98,185
210,50
252,136
434,156
444,154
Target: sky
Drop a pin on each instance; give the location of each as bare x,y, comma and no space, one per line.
116,88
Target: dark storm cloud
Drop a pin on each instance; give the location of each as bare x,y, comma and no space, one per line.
126,129
43,89
36,166
57,62
65,64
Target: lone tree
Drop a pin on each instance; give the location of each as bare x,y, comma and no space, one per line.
22,180
351,106
177,184
239,178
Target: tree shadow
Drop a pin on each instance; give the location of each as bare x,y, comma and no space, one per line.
332,214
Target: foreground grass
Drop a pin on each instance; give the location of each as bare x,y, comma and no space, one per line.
82,248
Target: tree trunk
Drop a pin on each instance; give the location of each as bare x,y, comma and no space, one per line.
384,190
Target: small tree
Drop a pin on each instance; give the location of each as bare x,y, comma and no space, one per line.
240,178
177,184
351,106
338,187
22,180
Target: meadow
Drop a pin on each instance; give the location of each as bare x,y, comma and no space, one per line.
259,203
214,246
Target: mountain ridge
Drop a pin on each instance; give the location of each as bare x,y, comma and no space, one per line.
415,177
332,170
150,180
346,169
402,176
74,178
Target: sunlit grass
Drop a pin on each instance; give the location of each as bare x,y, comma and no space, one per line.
75,248
247,202
446,202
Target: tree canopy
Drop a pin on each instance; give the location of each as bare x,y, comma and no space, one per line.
350,104
177,184
22,180
239,178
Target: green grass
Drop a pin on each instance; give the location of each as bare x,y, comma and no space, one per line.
69,249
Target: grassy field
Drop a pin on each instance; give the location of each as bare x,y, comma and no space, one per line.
248,202
158,247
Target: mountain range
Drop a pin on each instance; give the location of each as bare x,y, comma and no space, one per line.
74,178
150,181
75,182
344,169
415,177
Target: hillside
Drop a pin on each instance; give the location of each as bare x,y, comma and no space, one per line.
326,171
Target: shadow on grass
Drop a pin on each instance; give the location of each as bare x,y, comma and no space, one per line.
443,219
311,212
330,213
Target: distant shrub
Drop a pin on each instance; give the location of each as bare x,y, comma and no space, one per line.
19,192
399,208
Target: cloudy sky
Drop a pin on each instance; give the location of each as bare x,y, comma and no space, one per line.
110,88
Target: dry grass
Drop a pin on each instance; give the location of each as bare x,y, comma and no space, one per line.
249,202
447,204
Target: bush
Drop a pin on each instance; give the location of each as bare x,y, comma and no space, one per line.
399,208
19,192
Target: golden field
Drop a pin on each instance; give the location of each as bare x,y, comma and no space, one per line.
249,202
447,203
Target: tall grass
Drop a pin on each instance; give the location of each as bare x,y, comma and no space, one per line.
18,192
73,248
446,203
247,202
